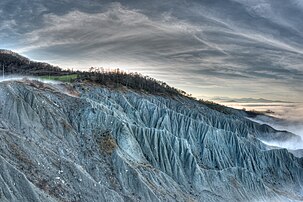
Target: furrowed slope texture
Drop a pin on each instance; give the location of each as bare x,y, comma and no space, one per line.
88,143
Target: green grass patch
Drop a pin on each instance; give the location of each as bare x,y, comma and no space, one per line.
63,78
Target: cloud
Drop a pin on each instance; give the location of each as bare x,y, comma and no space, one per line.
228,48
117,30
6,27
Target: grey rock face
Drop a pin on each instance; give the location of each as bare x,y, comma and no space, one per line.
87,143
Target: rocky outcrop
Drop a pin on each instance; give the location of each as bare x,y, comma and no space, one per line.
84,142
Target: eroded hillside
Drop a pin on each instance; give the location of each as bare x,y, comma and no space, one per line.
84,142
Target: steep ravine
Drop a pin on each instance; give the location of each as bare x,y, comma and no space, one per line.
82,142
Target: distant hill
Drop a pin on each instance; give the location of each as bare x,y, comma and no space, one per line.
247,100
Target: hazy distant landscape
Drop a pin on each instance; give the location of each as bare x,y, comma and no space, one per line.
288,114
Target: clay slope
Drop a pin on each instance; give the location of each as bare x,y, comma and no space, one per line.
82,142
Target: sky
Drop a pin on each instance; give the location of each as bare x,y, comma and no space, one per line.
228,48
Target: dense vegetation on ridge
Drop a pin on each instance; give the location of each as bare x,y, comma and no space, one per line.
14,64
